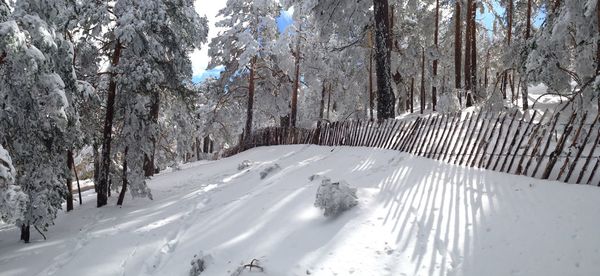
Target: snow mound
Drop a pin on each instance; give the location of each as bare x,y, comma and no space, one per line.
244,165
335,198
269,170
199,263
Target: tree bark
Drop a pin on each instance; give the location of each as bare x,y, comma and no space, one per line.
473,70
25,233
524,77
435,61
296,85
154,112
124,186
102,195
371,92
250,108
468,47
69,181
385,95
412,99
322,105
457,46
422,97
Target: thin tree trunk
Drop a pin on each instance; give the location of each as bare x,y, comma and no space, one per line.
422,98
487,68
328,100
468,47
250,108
296,85
524,77
473,77
124,186
154,111
385,95
102,195
435,61
25,233
96,166
76,176
457,49
412,99
69,181
322,105
371,92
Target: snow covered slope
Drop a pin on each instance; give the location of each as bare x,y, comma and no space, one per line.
415,217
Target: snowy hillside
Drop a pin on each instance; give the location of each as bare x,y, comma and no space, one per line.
415,217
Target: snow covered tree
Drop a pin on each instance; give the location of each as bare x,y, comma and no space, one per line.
39,122
151,42
13,202
244,48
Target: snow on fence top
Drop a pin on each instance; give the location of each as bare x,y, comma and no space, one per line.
543,145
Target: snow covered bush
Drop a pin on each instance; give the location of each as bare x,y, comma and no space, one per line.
199,263
448,102
335,198
269,170
244,165
12,200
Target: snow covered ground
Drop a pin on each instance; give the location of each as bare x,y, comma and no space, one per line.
415,217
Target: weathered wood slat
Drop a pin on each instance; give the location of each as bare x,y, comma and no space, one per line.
468,141
589,158
409,134
428,137
525,134
418,134
580,150
514,115
423,137
512,142
484,141
488,140
435,136
548,142
444,136
455,138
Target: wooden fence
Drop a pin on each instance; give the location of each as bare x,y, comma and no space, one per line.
543,145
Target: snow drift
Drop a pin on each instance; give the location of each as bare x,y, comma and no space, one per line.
414,217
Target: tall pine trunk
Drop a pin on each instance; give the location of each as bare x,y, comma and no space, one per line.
294,104
422,94
468,47
385,95
457,48
69,181
154,112
250,108
124,186
102,195
473,77
524,81
25,233
435,61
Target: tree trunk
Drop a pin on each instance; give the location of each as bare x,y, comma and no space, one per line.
102,195
296,85
487,68
321,106
154,112
473,70
25,233
250,108
524,78
371,92
385,95
69,181
124,186
435,61
412,99
96,167
328,100
422,97
468,47
457,46
76,179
